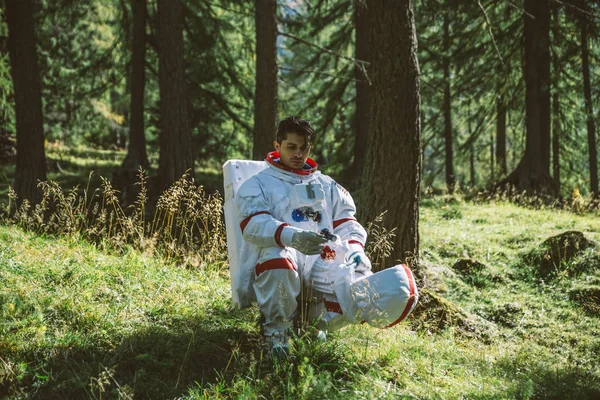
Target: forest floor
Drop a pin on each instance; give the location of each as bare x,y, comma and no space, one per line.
79,320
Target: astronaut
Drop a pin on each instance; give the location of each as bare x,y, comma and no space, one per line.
307,243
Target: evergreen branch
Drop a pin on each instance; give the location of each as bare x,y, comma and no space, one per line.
361,64
298,39
217,99
232,10
581,10
320,73
520,9
292,85
487,20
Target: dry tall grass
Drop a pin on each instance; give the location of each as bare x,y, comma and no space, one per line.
186,227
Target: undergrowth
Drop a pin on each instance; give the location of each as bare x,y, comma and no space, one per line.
186,226
92,307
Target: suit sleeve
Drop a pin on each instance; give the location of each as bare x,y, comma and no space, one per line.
256,222
345,224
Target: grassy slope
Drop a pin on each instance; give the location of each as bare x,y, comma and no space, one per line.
78,322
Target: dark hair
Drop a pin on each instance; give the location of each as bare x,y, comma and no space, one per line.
295,125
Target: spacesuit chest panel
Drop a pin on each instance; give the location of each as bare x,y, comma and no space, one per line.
303,205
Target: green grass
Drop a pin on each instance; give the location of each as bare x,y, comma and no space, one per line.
83,321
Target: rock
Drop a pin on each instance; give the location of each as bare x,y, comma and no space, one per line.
588,297
557,250
468,267
435,313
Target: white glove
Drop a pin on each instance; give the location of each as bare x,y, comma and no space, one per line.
307,242
362,264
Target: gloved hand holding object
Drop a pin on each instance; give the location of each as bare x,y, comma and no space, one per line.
361,262
306,242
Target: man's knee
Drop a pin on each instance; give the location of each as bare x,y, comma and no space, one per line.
276,278
273,265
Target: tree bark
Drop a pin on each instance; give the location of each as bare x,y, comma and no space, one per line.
31,159
556,129
532,174
361,117
591,129
471,149
492,163
392,171
472,166
448,106
265,94
502,109
175,156
136,149
501,133
115,129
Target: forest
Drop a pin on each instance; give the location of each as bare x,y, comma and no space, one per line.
465,130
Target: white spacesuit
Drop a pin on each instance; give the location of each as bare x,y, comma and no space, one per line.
273,206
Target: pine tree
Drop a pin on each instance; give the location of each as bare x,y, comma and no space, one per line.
31,160
449,153
136,150
361,74
265,95
556,127
589,109
175,156
532,173
393,165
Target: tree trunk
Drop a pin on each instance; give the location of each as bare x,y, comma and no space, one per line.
265,94
136,150
114,127
492,163
175,156
31,160
532,174
556,141
472,166
392,171
501,133
587,90
556,130
361,117
471,148
448,107
502,110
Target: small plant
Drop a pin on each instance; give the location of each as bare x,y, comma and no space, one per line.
451,213
187,226
381,241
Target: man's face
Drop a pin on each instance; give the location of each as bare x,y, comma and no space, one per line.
293,150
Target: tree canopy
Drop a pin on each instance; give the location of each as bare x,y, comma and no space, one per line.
473,85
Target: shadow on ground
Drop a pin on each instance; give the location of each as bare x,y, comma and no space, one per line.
153,363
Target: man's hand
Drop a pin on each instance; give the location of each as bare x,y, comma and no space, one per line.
307,242
361,261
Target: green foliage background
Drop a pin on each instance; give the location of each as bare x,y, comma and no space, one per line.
84,54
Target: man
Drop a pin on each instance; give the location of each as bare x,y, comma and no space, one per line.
287,214
282,211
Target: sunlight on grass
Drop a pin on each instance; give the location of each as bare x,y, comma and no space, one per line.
103,321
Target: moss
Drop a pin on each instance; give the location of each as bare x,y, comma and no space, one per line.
435,313
506,314
589,298
554,254
468,267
